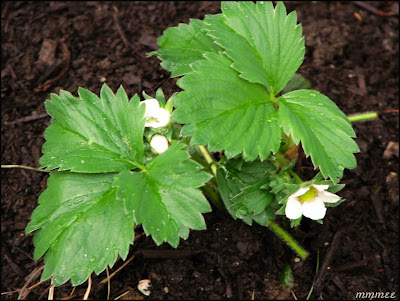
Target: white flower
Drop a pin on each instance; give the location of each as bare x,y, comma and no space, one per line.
156,117
159,143
310,202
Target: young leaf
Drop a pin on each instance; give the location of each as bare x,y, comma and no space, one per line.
183,45
226,111
81,226
165,197
91,134
297,82
264,43
322,128
241,191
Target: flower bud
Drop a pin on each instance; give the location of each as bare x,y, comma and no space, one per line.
159,143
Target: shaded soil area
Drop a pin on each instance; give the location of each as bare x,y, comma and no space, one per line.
352,57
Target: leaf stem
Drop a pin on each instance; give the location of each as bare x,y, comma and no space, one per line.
295,176
208,158
24,167
281,160
212,195
363,116
286,237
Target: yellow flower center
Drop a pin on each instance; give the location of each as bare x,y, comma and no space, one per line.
309,195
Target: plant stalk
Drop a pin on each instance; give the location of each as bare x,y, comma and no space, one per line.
212,195
208,158
363,116
24,167
286,237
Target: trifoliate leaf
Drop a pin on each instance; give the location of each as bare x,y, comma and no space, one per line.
225,111
81,226
242,194
322,128
183,45
91,134
168,202
265,43
86,216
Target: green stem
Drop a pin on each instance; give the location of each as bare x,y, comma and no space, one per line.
295,176
286,237
212,195
208,158
24,167
281,160
363,116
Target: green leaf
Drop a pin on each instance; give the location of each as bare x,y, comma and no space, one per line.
241,191
183,45
91,134
226,111
253,198
84,221
265,44
322,128
165,197
81,226
297,82
286,277
160,97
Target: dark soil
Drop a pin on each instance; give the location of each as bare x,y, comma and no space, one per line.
352,57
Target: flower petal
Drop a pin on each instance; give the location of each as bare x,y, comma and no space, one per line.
314,209
321,187
162,116
293,208
328,197
152,106
300,191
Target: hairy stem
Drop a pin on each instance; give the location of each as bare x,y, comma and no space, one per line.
286,237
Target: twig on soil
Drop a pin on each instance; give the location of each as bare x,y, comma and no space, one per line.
19,249
51,10
316,272
24,290
119,29
293,294
123,294
117,270
86,296
374,10
150,253
27,118
67,59
51,290
362,87
73,290
325,265
351,265
15,267
108,283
